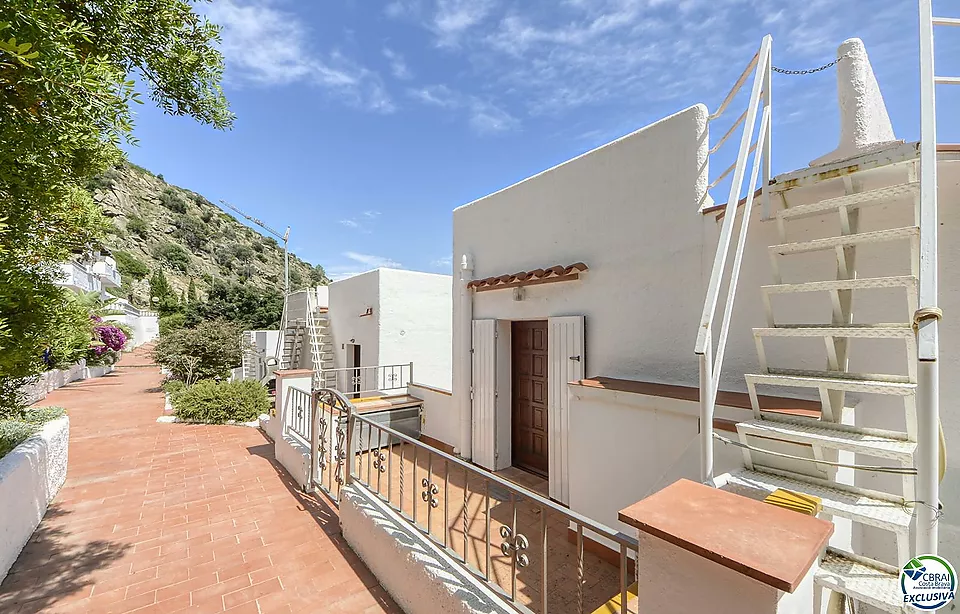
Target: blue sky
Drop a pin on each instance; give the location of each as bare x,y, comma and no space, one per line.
363,124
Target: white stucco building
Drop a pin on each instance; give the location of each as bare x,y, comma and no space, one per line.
95,273
578,295
378,319
393,316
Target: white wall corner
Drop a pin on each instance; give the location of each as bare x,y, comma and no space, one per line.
864,123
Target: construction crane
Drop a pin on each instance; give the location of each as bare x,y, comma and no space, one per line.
285,237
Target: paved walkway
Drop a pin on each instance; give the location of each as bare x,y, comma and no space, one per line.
168,518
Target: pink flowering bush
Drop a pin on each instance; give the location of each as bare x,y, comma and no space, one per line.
112,338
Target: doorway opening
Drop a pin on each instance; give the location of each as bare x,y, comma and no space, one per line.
355,374
529,411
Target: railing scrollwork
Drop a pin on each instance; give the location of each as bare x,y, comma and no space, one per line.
514,546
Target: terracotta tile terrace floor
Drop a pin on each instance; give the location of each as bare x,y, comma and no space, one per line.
170,518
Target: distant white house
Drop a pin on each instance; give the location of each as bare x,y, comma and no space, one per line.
95,273
363,333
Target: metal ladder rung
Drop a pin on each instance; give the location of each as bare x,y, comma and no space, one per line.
946,21
947,80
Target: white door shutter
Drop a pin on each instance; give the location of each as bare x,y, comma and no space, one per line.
565,353
484,392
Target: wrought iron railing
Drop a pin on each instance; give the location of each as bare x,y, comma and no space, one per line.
357,382
298,414
710,363
518,542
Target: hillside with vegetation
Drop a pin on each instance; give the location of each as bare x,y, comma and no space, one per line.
158,227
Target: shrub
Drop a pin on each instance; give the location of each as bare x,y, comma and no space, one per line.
104,180
173,387
192,230
172,200
174,255
40,415
210,350
112,337
170,323
129,265
215,403
243,253
13,433
104,358
137,225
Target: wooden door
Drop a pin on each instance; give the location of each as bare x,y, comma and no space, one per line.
530,432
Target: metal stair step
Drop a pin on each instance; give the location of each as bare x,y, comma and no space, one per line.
858,331
853,506
833,383
878,236
833,436
865,283
875,585
859,199
842,375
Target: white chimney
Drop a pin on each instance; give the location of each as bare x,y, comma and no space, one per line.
864,122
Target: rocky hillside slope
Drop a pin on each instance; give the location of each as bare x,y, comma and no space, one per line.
156,225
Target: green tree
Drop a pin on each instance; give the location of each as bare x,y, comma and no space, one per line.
174,255
210,350
137,225
65,96
254,309
130,266
162,297
318,277
192,292
192,231
296,279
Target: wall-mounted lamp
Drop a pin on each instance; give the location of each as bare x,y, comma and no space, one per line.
518,294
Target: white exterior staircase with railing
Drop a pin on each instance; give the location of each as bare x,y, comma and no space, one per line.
320,337
822,457
305,331
862,579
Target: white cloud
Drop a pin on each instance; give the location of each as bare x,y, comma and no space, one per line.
436,95
637,57
483,116
359,263
442,263
373,261
264,46
454,17
361,222
486,118
398,65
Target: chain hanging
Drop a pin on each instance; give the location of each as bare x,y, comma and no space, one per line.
809,71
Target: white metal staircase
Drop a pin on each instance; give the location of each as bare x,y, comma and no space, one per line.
293,334
824,439
823,457
321,346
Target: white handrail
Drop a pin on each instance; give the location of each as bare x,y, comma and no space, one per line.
927,317
710,367
738,255
736,187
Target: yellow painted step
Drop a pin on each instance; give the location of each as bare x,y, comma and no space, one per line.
789,500
613,606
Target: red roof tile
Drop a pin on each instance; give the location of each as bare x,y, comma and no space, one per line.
555,273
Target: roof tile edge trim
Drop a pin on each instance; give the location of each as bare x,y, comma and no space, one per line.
525,278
